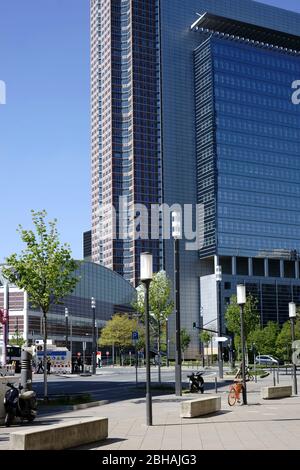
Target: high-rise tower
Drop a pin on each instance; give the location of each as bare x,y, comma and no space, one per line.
126,168
192,104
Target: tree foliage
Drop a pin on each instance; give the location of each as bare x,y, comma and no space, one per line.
233,318
45,268
185,339
118,331
160,303
17,340
265,338
284,340
205,337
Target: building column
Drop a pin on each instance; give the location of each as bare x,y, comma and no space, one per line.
216,261
266,267
281,268
233,265
250,267
277,302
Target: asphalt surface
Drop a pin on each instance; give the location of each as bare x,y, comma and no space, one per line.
114,384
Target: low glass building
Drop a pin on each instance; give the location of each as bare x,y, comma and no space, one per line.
113,294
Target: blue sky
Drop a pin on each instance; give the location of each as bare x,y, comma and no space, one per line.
44,127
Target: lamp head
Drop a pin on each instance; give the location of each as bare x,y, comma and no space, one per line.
218,273
176,225
146,267
292,310
241,294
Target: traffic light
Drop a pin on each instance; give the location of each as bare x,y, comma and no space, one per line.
194,325
294,255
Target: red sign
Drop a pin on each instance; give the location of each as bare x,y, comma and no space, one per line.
3,316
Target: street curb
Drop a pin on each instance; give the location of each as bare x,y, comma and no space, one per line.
92,404
68,408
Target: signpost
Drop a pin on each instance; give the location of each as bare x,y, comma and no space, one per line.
107,357
221,339
135,337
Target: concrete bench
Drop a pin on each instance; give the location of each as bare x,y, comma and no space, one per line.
268,393
200,406
60,436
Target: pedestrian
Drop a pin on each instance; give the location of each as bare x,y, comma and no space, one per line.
40,368
48,366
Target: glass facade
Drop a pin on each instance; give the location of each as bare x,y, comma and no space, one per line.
125,129
184,116
113,294
251,130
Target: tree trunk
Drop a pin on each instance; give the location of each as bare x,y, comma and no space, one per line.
158,344
45,356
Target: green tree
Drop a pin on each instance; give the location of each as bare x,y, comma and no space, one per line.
17,340
160,306
265,338
233,318
44,269
284,340
118,332
206,337
185,339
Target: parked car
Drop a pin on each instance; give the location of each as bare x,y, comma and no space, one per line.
266,360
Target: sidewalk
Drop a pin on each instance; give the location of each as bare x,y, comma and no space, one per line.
260,425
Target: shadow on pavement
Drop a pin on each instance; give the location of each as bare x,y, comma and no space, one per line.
99,444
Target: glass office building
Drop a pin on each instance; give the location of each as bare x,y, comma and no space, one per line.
113,294
226,134
125,129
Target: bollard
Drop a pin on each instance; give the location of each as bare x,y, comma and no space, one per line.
216,385
26,370
278,375
274,377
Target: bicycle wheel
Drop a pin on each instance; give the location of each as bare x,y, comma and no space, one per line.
231,397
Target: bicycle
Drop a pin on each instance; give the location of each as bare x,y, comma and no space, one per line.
235,392
248,375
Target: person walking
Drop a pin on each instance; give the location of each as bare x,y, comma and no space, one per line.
48,366
40,368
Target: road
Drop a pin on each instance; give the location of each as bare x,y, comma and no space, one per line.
117,383
112,384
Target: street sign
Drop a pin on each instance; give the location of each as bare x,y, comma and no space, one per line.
135,336
221,339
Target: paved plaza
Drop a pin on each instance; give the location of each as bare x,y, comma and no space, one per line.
272,424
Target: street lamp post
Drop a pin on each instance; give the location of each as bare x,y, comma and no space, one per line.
167,342
241,300
67,325
219,319
146,277
176,232
93,306
293,315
